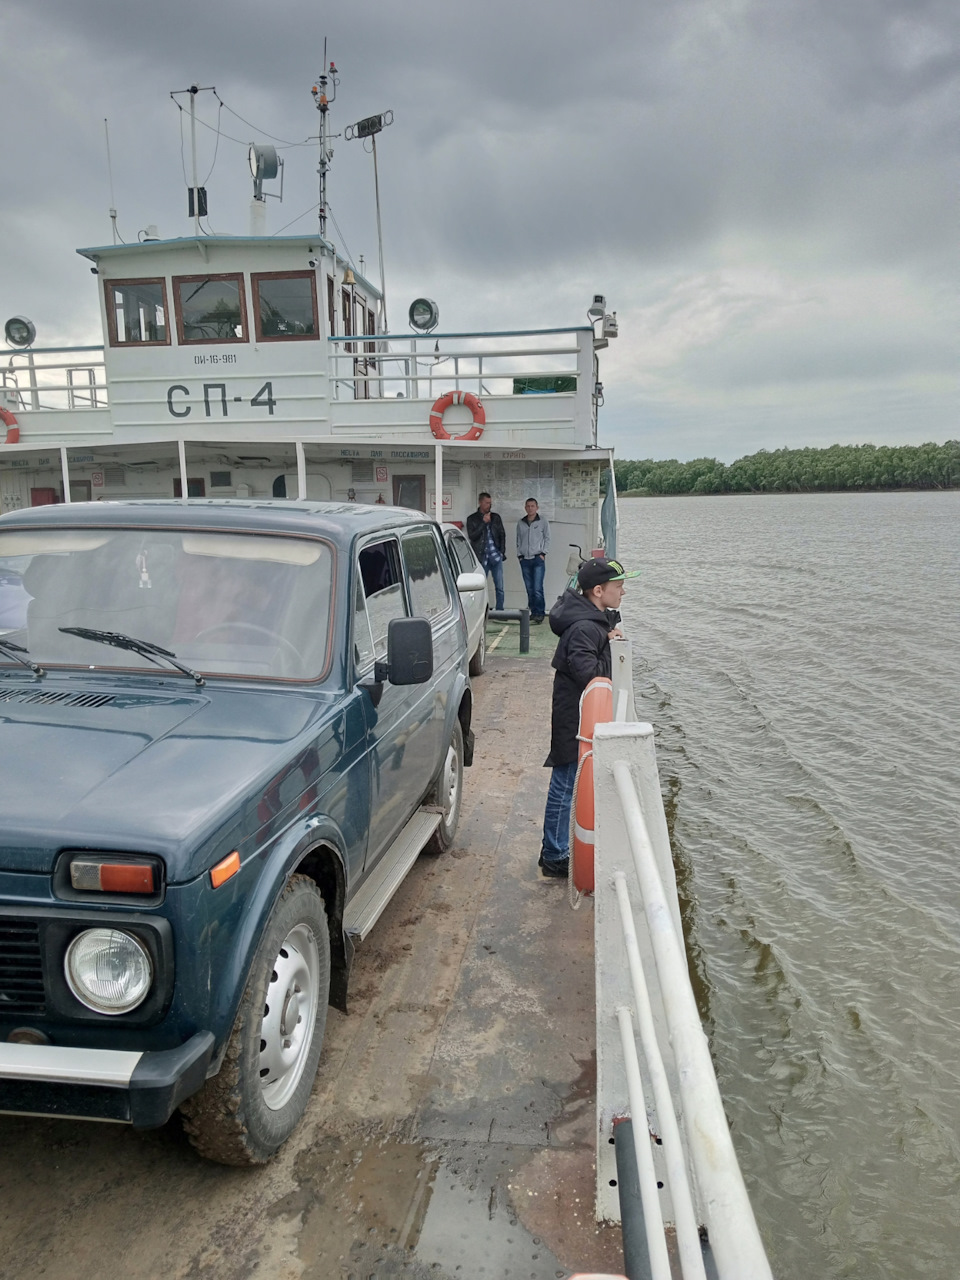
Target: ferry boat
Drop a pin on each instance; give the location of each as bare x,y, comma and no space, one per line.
261,366
256,366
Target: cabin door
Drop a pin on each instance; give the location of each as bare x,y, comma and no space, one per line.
410,491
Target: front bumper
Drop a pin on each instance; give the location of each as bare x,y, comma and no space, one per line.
141,1089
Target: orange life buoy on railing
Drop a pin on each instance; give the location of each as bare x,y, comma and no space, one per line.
596,707
458,397
13,429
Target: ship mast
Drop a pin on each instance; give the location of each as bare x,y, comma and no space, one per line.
327,78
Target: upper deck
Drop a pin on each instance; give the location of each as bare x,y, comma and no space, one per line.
277,339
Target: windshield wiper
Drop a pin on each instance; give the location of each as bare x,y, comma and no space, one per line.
143,647
14,651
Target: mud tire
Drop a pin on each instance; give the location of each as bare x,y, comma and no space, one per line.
231,1119
447,792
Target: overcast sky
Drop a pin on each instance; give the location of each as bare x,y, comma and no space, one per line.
765,190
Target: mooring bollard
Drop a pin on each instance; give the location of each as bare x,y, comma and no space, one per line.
515,615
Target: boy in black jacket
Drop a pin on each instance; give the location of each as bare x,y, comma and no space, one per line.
586,621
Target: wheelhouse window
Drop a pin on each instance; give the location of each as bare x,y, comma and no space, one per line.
210,308
285,306
232,604
137,312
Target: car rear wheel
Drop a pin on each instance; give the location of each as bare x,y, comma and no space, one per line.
447,793
248,1110
480,653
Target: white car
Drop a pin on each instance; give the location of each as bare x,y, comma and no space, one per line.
472,586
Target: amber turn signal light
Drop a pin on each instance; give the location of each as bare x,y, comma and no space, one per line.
112,877
225,869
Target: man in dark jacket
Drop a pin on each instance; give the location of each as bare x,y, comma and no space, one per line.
489,540
586,621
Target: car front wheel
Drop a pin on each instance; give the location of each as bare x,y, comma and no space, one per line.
245,1113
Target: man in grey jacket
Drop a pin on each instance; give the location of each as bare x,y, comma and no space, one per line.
533,543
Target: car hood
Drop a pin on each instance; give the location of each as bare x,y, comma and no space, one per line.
102,767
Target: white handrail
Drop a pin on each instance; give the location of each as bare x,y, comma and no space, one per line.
652,1221
726,1207
688,1234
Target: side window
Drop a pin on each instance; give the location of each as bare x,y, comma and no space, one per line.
463,555
285,305
429,596
379,598
363,651
210,308
137,312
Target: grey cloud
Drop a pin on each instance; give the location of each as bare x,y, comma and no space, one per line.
548,150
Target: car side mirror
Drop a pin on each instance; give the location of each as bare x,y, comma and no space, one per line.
472,582
409,652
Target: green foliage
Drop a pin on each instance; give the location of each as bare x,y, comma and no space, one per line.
841,467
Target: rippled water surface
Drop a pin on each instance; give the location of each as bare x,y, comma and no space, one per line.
801,661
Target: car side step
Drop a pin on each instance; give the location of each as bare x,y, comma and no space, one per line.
384,880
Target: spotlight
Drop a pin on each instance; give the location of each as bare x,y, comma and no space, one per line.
19,331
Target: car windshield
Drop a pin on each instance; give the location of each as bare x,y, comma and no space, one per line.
224,603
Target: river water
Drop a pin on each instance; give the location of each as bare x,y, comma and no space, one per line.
800,659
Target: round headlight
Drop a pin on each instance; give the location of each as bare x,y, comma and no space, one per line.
108,970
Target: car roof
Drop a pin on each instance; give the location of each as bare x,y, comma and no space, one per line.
339,521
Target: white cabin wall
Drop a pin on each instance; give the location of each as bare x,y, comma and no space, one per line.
217,389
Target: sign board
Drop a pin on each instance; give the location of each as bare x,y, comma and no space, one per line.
447,504
96,479
381,475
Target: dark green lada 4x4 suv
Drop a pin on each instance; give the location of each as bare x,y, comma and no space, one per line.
227,729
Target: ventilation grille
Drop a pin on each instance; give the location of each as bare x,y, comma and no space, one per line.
361,472
21,969
39,697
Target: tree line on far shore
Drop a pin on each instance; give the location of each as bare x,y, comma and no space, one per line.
840,467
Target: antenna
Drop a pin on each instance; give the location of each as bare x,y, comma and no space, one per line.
327,78
369,128
113,211
197,195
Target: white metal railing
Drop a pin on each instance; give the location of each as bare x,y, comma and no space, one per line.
689,1173
64,378
427,365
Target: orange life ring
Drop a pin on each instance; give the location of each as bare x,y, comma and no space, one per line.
458,397
596,707
13,429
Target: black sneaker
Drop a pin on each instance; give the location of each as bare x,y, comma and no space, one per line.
558,870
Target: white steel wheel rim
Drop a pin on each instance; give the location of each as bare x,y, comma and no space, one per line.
289,1016
450,791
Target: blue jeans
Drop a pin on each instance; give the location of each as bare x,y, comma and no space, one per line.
556,817
495,570
533,571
